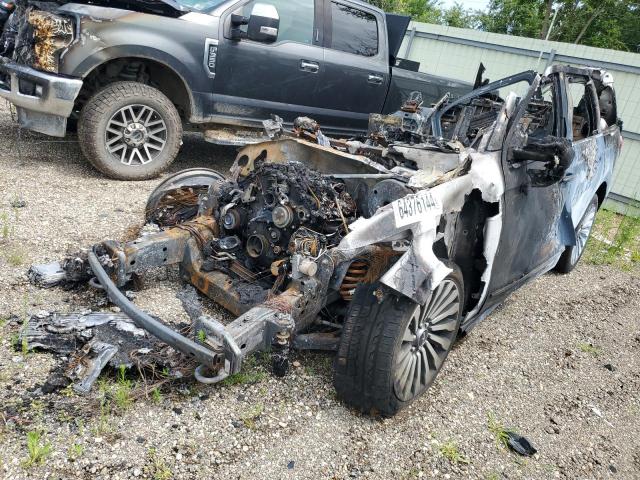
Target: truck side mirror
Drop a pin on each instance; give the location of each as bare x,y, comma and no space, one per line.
264,23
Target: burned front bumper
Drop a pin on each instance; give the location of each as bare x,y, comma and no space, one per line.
43,100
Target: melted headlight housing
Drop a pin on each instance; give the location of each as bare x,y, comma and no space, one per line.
51,34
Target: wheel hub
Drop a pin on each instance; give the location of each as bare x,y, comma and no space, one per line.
421,338
135,134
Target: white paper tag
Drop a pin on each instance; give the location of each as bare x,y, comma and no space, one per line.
416,208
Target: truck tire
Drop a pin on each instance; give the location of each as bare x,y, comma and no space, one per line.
388,339
130,131
572,255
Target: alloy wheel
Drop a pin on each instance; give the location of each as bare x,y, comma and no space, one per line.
136,135
583,231
427,340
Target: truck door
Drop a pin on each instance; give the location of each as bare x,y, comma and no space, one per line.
356,74
255,79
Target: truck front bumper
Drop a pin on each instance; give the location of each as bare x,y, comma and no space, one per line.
43,100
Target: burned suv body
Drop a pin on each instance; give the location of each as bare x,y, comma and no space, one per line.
382,248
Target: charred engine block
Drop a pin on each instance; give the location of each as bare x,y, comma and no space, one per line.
279,210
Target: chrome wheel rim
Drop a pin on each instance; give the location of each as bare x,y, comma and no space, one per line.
582,233
427,340
136,135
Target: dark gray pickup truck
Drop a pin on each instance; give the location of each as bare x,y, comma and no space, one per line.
131,74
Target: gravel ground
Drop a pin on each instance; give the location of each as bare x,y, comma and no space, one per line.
559,362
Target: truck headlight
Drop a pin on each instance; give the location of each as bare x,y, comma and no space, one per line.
51,34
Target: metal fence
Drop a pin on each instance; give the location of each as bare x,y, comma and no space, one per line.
457,52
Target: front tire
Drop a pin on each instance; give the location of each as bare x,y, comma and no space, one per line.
572,255
392,350
130,131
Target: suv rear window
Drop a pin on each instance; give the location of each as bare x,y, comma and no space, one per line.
353,30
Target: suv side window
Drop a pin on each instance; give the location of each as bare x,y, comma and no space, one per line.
353,31
582,107
296,19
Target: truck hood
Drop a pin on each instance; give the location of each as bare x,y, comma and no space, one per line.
159,7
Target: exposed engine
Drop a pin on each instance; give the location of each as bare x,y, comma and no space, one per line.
276,211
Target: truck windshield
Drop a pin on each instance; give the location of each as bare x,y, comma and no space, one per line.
200,6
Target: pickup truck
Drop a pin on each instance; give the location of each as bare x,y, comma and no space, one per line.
132,74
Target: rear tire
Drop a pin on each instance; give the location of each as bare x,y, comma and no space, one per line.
572,255
130,131
385,344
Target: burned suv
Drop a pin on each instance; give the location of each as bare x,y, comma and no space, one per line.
383,249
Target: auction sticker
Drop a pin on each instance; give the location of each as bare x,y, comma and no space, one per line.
415,208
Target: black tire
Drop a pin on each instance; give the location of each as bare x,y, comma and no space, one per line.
572,255
367,364
153,156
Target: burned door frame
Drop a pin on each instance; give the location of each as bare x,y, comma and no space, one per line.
588,162
531,240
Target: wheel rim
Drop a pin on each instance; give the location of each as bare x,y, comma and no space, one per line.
136,135
427,340
582,233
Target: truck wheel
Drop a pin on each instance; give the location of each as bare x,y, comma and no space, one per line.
392,350
130,131
572,255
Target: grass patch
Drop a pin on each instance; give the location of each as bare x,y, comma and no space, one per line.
156,396
75,452
156,468
202,336
7,227
615,240
15,257
37,449
250,416
252,372
122,392
451,452
499,431
590,349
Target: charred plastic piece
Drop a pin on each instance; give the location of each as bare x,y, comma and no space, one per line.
93,341
520,444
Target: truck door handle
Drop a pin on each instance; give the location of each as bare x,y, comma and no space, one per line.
375,79
311,67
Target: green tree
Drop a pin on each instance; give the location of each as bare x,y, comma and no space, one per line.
430,11
599,23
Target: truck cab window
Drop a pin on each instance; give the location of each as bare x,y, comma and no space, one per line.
296,19
353,31
581,106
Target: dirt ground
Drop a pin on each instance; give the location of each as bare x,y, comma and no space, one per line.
559,362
